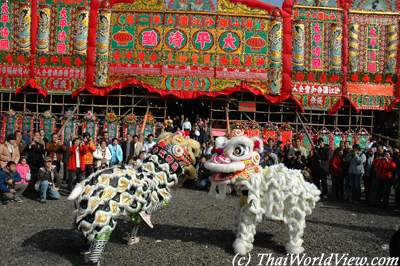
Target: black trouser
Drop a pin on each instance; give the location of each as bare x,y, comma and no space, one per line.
88,170
387,187
73,178
367,186
337,186
397,193
322,184
57,164
380,191
34,177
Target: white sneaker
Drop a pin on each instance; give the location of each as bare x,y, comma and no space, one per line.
146,218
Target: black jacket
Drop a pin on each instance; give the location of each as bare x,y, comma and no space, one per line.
35,156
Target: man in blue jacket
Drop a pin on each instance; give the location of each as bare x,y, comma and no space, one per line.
8,189
116,152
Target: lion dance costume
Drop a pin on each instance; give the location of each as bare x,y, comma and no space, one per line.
275,192
124,192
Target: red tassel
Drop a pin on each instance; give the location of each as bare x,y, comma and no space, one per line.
310,77
323,77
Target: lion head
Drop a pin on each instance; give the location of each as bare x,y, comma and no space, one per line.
236,162
179,152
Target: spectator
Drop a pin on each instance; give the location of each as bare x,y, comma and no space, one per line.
149,144
203,174
298,147
10,190
269,158
279,151
76,164
346,164
87,156
140,159
34,155
299,161
43,135
102,155
290,155
168,124
356,171
136,146
49,181
9,151
38,137
209,150
55,150
196,133
204,149
336,170
187,127
319,174
106,137
383,167
127,147
24,171
368,172
20,142
270,143
116,152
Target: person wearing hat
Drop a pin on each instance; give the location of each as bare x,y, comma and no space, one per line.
49,181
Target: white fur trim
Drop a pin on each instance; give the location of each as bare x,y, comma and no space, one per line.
239,246
294,249
76,192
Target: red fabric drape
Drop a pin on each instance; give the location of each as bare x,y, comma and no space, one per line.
286,91
31,83
91,50
345,5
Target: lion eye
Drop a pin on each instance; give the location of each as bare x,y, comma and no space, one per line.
239,150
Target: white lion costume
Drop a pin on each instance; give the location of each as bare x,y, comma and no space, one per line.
123,192
274,192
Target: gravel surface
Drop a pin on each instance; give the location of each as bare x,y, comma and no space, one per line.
194,230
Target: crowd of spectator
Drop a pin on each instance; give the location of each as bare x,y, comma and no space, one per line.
345,173
354,174
45,166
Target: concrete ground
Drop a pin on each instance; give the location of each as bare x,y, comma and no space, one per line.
194,230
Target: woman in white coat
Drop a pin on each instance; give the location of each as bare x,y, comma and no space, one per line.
102,155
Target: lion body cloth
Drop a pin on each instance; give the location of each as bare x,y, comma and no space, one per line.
275,192
125,191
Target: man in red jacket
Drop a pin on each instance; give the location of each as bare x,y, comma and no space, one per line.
384,167
76,163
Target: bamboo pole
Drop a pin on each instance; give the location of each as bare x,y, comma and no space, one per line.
144,124
69,118
305,128
227,120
